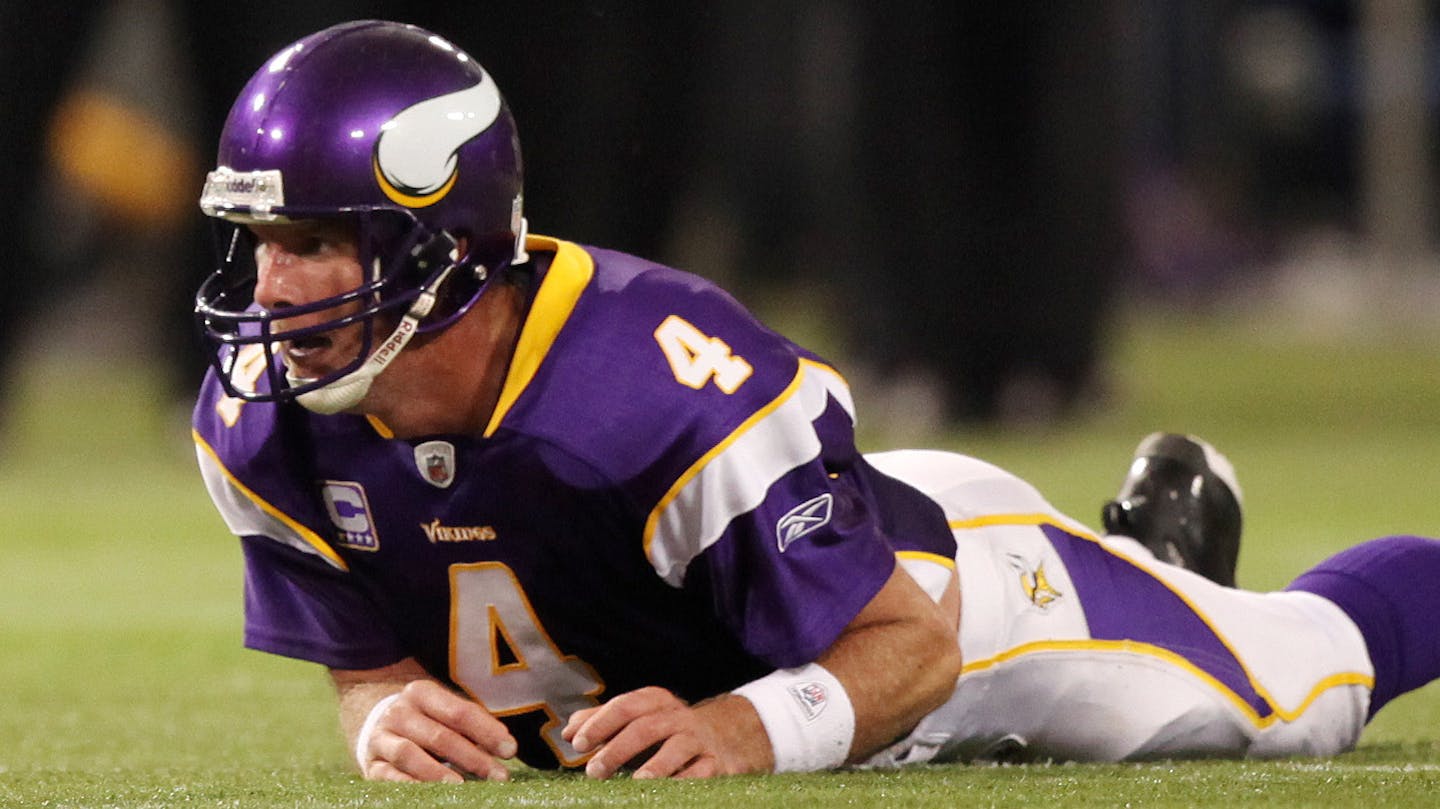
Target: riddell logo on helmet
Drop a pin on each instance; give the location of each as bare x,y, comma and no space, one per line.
393,345
415,155
241,184
226,190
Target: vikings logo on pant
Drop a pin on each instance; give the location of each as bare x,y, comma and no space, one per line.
1033,581
415,155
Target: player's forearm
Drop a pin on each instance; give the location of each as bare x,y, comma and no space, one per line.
898,663
892,692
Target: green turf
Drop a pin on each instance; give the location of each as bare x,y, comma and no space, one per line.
124,683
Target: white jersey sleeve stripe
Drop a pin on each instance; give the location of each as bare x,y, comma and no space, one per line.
733,477
248,514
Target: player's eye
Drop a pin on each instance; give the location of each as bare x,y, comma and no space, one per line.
330,237
310,246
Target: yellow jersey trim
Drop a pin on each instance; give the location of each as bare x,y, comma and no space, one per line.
1020,519
381,428
311,538
925,556
570,272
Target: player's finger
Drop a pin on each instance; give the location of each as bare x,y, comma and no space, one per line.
463,716
379,770
706,765
408,758
674,756
446,745
610,718
577,719
637,737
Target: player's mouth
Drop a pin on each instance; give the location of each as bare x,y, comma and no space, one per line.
310,357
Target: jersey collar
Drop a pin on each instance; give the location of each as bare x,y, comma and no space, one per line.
560,289
559,292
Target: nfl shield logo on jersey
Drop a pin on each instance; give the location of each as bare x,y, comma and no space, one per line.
436,462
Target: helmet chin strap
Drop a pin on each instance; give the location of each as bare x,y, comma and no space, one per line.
347,391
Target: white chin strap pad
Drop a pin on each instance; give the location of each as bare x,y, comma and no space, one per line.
338,396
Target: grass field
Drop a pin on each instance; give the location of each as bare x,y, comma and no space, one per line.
124,683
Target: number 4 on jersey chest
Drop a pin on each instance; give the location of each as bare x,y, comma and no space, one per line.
503,657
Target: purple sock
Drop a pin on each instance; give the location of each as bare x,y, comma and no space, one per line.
1390,588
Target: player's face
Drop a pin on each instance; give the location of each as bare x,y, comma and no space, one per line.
300,263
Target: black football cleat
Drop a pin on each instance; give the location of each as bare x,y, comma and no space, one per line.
1181,500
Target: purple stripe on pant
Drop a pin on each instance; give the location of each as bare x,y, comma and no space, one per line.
1125,602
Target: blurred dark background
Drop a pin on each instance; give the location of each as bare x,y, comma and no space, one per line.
955,200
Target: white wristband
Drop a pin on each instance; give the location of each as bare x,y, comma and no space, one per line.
807,715
362,741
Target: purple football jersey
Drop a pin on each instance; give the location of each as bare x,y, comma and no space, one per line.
667,494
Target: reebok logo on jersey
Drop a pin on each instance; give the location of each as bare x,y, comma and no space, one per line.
803,519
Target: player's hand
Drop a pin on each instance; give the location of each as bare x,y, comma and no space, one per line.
430,733
658,733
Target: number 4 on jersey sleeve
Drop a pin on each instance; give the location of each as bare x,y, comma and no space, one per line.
696,358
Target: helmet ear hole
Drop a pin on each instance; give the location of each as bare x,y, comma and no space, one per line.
466,258
434,254
462,245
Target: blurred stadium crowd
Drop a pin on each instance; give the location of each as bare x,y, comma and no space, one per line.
960,193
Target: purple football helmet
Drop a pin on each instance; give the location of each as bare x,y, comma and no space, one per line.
385,125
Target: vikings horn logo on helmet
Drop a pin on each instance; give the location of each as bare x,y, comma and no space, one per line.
415,155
